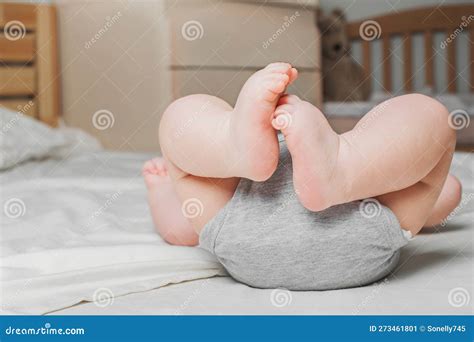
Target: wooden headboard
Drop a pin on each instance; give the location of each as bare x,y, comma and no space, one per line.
29,72
448,19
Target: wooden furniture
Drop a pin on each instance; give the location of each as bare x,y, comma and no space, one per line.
217,45
29,73
451,19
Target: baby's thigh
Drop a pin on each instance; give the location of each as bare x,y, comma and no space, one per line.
414,205
185,113
202,198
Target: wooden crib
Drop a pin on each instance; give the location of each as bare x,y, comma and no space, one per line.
448,19
451,20
29,71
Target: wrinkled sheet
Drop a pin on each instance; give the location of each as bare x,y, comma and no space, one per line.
435,276
78,229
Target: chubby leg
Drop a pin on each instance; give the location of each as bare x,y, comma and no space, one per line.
399,152
414,205
205,137
210,145
448,200
165,207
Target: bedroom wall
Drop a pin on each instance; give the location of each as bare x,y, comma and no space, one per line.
360,9
114,70
125,76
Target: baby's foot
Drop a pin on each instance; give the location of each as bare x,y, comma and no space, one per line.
251,121
155,173
313,146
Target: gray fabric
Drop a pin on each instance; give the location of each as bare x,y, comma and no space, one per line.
265,238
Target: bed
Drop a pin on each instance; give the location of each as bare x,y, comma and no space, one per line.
76,236
388,41
64,264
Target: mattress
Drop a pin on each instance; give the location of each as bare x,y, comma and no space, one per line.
78,228
435,274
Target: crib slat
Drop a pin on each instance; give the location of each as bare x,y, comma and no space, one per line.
47,66
407,63
17,81
367,60
451,65
387,65
471,33
429,79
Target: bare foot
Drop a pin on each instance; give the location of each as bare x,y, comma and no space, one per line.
155,173
313,146
165,207
252,115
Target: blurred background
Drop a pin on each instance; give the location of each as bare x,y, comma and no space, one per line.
75,211
132,58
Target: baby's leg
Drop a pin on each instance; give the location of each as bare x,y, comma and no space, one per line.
209,145
165,207
448,200
399,152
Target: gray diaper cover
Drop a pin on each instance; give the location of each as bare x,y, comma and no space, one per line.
265,238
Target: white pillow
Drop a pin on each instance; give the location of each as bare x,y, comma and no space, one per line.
23,138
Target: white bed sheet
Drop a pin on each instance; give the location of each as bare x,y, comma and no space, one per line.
78,229
433,266
435,276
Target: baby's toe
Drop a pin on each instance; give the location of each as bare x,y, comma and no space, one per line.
289,99
160,166
281,67
149,167
293,75
277,83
